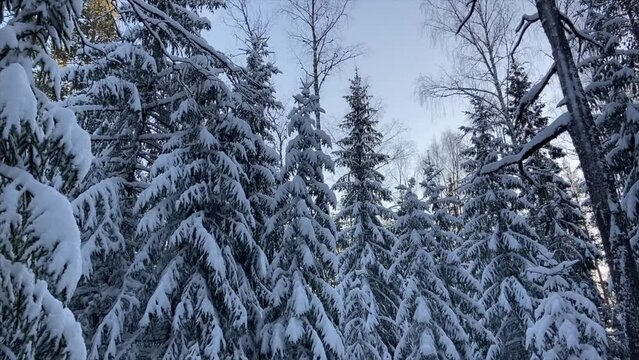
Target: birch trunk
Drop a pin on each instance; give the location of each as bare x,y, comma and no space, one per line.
610,220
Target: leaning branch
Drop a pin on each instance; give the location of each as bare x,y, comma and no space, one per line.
540,140
533,94
473,4
523,26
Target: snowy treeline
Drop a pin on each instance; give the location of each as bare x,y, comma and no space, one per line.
145,212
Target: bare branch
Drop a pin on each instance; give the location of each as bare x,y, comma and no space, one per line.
578,33
318,25
524,24
473,4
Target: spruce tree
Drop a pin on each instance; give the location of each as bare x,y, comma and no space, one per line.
178,135
261,163
114,86
303,309
126,93
557,218
370,297
569,293
499,244
196,229
534,308
429,322
44,154
613,95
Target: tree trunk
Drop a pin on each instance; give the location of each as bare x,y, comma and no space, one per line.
610,220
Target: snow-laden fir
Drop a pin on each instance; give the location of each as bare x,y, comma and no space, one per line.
175,231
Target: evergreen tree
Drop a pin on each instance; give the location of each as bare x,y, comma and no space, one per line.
557,218
499,243
430,325
114,87
43,156
533,306
262,161
126,93
370,297
304,307
197,231
567,286
194,248
613,95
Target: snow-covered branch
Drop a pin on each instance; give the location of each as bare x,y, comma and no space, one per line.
539,141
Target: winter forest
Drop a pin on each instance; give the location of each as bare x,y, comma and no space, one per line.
163,198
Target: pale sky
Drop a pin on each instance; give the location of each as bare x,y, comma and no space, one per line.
398,50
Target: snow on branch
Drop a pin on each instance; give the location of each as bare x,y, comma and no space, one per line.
578,33
540,140
534,92
523,26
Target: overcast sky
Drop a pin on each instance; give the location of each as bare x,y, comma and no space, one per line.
398,50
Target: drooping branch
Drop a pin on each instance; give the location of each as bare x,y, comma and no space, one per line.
540,140
578,33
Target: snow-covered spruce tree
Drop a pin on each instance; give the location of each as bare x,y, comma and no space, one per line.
520,278
123,92
196,230
112,84
613,97
135,94
262,161
43,156
464,288
370,297
557,218
430,327
169,87
611,220
567,322
499,244
303,309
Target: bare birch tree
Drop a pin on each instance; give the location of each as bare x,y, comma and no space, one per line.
317,26
482,50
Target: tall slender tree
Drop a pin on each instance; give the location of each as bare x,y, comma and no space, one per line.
304,308
370,297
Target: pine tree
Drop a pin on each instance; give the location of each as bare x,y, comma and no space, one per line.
430,324
304,308
43,156
370,297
